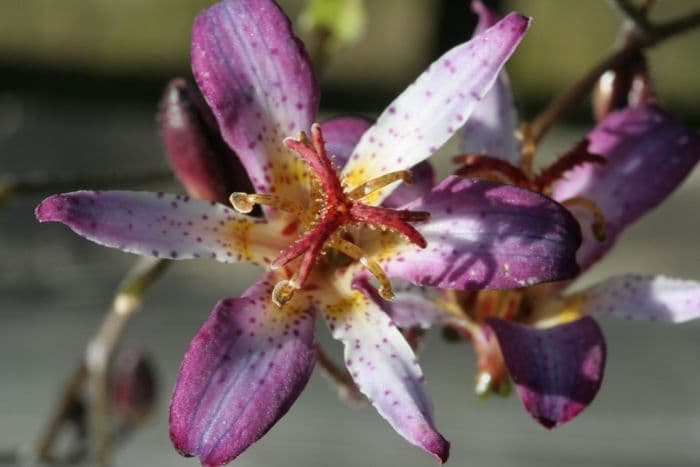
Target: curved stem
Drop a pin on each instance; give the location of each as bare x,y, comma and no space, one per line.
339,377
639,40
94,366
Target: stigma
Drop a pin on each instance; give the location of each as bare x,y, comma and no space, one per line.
330,210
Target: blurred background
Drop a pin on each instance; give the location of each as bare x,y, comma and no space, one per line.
79,85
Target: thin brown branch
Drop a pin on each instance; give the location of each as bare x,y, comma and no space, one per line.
101,349
339,377
639,40
636,15
69,397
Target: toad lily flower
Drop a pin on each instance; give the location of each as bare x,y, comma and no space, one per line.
553,350
324,232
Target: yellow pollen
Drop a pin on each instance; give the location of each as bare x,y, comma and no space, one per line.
283,292
315,212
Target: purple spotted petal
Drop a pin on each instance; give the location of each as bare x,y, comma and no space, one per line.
644,297
492,125
258,80
385,369
486,235
437,104
163,225
558,370
413,306
243,370
202,161
341,135
649,154
423,177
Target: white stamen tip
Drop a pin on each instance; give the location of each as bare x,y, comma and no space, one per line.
241,202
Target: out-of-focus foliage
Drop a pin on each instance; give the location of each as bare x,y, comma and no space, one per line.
343,20
568,37
147,36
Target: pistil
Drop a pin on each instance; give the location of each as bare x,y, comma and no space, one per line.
329,212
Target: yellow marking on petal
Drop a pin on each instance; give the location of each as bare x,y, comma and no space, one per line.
248,239
351,301
239,232
285,174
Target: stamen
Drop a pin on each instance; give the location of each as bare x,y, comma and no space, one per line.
389,219
356,253
378,183
576,156
528,149
244,203
598,224
486,166
329,210
284,291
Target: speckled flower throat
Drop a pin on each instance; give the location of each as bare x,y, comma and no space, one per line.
331,209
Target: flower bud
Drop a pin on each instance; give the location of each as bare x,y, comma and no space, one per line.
202,161
492,376
133,386
625,86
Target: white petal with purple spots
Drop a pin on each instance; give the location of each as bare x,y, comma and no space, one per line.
163,225
491,128
655,298
437,104
385,369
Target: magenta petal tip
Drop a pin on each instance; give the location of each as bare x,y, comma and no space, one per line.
436,445
242,372
557,371
50,209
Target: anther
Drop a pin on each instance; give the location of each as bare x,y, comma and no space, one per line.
244,203
241,202
378,183
283,292
598,225
528,149
330,209
491,168
356,253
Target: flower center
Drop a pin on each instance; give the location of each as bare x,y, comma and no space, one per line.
330,210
